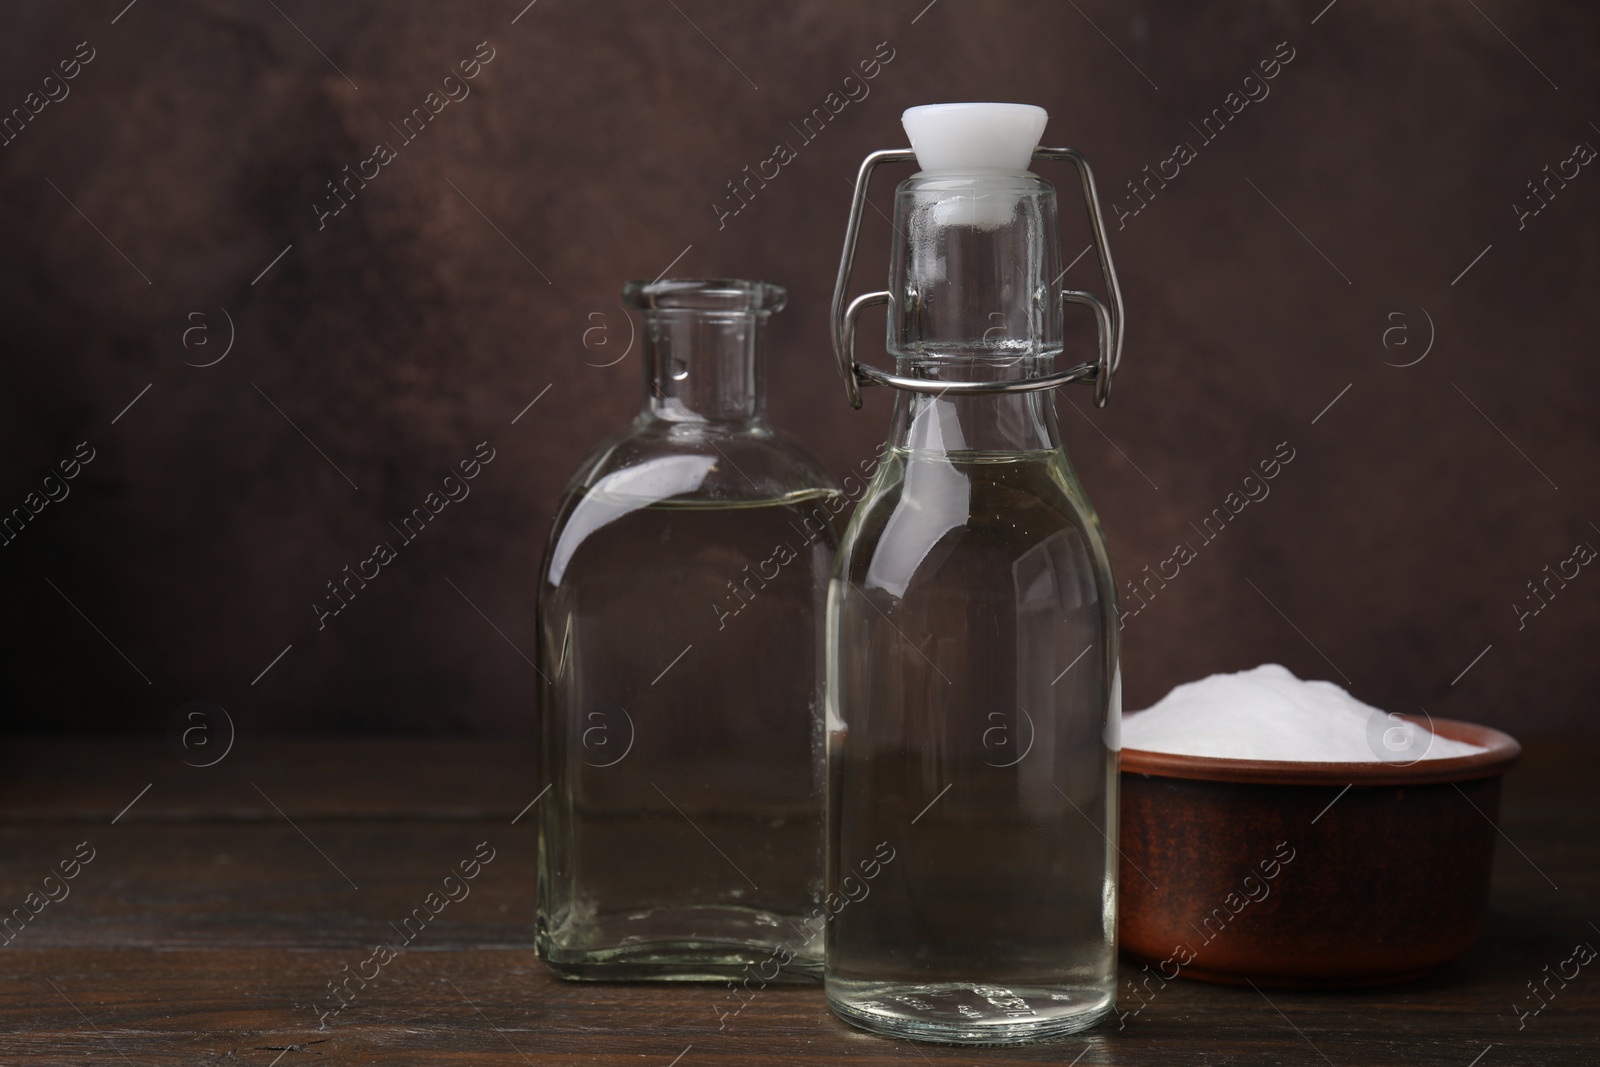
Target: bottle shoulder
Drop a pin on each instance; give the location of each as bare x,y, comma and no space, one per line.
925,510
683,466
700,461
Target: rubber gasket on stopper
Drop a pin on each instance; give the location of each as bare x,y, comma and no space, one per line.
969,138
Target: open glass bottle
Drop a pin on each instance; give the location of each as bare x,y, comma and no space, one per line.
680,622
973,681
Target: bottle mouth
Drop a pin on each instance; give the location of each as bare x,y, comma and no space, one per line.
705,294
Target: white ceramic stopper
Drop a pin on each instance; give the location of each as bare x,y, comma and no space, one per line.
969,138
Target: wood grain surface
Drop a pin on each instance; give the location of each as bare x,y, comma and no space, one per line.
218,907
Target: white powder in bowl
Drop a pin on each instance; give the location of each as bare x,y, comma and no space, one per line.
1269,714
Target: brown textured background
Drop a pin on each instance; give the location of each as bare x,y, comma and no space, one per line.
597,141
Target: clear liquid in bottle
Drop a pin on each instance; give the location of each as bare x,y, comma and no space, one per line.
971,659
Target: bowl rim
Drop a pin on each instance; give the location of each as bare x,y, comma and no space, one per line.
1502,751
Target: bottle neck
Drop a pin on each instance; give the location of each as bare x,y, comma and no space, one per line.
704,366
973,298
975,270
978,422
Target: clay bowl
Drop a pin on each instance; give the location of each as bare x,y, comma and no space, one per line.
1308,874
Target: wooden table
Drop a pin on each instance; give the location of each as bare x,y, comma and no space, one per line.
221,902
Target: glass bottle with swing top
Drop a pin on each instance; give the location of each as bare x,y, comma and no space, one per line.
973,688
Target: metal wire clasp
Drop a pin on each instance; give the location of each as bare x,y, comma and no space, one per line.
1109,320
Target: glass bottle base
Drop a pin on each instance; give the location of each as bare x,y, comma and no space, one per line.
965,1013
685,962
700,944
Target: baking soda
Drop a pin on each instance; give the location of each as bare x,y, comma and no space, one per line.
1269,714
